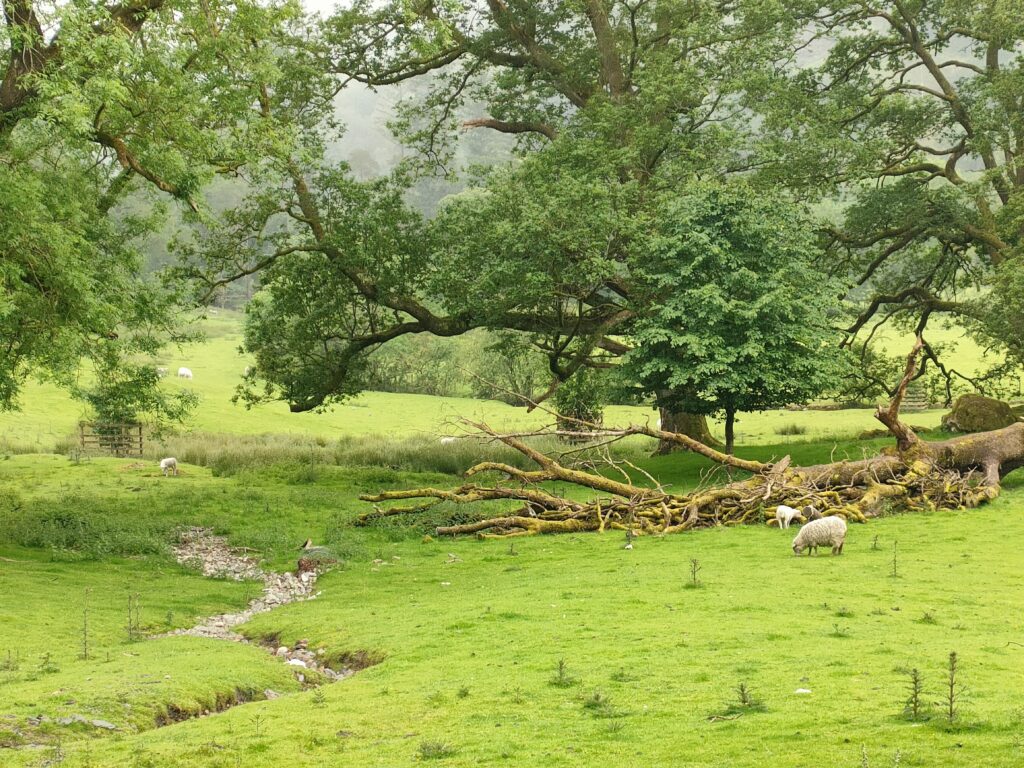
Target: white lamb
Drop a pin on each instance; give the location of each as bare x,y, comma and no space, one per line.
784,515
169,464
184,373
161,372
818,533
448,440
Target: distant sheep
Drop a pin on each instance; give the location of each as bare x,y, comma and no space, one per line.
784,515
448,440
818,533
812,513
170,465
184,373
314,558
248,370
161,372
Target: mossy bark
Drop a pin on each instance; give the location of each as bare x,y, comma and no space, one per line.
693,425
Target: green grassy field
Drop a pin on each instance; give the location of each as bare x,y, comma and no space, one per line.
48,415
472,632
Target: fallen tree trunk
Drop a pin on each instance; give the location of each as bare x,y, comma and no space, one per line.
958,473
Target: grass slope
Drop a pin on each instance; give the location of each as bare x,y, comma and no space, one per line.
48,415
46,606
472,632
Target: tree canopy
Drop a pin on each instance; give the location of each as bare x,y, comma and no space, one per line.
909,126
102,106
914,119
616,108
740,316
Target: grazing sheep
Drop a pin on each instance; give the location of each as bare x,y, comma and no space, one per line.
248,370
448,440
828,530
784,515
184,373
161,372
812,513
170,464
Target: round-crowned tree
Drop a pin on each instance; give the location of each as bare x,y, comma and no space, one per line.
739,316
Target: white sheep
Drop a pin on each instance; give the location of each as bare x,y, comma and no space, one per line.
827,530
184,373
170,464
161,372
784,515
448,440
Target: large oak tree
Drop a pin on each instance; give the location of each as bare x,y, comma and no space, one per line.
913,118
616,106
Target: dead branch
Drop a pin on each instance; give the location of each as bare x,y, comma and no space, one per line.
915,475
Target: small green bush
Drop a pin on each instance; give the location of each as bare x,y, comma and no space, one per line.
791,429
84,528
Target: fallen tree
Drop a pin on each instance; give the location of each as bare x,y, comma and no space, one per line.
912,475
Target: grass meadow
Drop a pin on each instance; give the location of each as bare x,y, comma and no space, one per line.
710,648
472,633
48,415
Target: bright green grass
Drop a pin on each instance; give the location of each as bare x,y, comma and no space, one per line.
472,632
48,415
44,607
131,508
961,351
471,646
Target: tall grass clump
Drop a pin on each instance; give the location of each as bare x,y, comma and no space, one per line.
791,429
13,443
228,455
79,527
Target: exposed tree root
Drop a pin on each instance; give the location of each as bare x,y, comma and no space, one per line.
914,475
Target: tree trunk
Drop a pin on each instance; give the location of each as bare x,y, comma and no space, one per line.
690,424
953,474
730,431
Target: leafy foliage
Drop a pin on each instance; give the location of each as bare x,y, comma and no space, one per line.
740,318
112,109
614,112
128,392
912,121
582,397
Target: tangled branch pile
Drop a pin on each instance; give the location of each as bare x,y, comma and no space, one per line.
958,473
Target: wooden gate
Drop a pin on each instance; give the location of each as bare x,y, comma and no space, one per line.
124,439
916,398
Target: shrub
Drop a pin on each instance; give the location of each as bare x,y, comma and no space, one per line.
791,429
81,527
